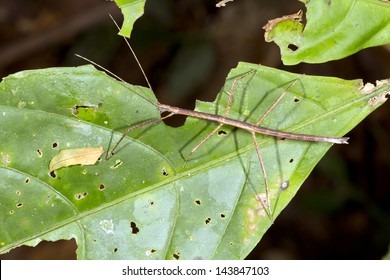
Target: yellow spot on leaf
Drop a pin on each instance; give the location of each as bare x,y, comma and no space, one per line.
81,156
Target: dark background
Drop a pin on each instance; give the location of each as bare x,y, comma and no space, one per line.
187,47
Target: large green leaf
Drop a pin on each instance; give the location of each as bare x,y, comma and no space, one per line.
334,30
142,203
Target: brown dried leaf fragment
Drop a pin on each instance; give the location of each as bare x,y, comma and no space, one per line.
80,156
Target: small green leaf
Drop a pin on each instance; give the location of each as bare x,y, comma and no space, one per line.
334,30
131,10
142,203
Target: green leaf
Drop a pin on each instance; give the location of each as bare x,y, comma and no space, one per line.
334,30
131,10
142,203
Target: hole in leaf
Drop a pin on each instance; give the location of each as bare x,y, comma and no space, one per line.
85,109
19,205
207,221
150,252
292,47
102,187
39,152
54,145
296,100
174,121
53,174
115,250
27,180
151,202
164,172
198,202
176,255
134,228
80,196
11,211
291,160
223,216
222,133
118,163
18,192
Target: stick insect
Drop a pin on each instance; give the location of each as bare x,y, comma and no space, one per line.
252,128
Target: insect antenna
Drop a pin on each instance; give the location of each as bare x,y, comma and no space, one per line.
134,55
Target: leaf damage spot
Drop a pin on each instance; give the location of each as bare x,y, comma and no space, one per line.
263,204
27,180
54,145
21,104
18,192
176,255
79,196
380,98
86,112
53,174
223,216
5,159
118,163
150,252
134,228
115,250
80,156
19,205
207,221
164,172
284,185
107,226
11,212
198,202
271,24
221,133
40,153
102,187
292,47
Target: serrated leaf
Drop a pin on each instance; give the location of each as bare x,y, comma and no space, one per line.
142,203
334,30
131,10
69,157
